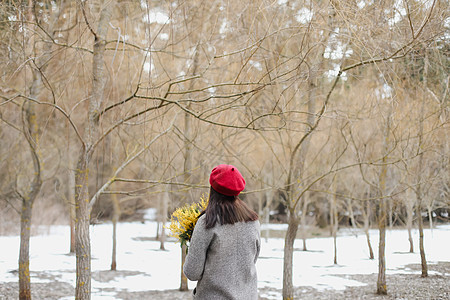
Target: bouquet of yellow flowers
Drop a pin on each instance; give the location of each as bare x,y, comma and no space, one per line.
183,220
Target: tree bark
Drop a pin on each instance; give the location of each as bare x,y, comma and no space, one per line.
409,223
269,198
303,222
410,239
30,128
352,215
334,220
291,233
71,199
158,218
381,282
184,282
115,220
371,255
382,217
423,259
419,208
164,212
366,229
31,133
24,255
82,235
390,213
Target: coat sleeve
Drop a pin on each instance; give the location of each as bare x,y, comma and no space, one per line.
196,257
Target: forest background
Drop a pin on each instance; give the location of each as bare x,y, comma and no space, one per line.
332,110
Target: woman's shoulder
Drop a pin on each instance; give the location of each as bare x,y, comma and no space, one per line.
254,224
201,220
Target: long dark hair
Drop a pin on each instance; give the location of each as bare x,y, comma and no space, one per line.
227,210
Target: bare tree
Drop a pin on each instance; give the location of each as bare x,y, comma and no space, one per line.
37,58
83,205
382,213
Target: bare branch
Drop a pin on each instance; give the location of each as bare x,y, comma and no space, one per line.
126,163
67,116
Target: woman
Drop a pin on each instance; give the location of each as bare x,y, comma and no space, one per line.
225,243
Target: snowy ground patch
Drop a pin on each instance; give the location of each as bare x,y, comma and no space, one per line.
149,268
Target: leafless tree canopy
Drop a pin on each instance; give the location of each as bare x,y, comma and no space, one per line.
329,108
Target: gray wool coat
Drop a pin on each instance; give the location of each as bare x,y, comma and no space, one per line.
222,259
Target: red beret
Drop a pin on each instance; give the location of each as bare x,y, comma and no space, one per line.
227,180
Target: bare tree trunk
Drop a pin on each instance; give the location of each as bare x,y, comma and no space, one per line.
382,217
158,218
71,199
115,219
410,239
367,227
267,222
334,220
72,210
419,192
419,211
288,287
31,133
409,223
352,214
295,167
335,248
24,255
164,212
381,283
83,206
82,236
303,221
187,169
390,213
184,283
423,259
371,255
30,129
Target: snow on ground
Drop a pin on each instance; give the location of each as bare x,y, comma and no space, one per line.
152,269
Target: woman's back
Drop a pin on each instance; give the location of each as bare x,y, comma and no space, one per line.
223,259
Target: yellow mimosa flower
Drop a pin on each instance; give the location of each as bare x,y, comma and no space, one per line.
183,220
